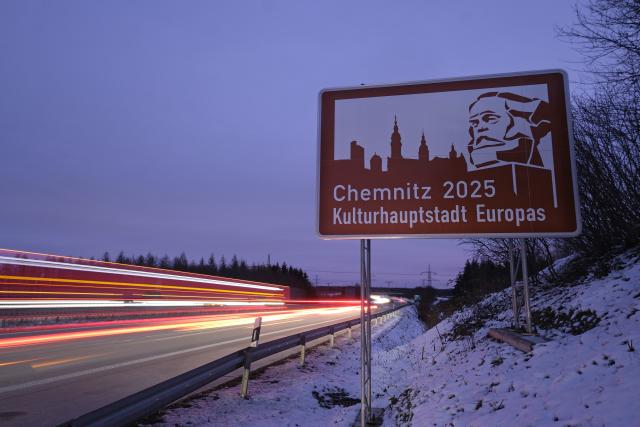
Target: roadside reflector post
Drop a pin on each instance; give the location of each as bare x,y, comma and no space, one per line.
255,334
332,338
303,349
349,331
255,337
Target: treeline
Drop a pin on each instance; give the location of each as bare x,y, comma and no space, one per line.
477,279
281,274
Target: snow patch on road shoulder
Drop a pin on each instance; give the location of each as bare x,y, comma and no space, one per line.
326,391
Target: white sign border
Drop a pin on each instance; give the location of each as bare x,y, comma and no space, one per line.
574,174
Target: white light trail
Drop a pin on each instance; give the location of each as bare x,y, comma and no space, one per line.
13,304
121,271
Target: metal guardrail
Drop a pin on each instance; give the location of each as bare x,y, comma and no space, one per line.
130,409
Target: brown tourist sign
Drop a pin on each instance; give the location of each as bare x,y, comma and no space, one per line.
488,156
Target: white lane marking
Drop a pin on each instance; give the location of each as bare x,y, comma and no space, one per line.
195,333
134,362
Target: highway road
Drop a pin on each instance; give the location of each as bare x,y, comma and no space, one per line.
48,377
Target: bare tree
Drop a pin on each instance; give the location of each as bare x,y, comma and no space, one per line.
539,253
607,34
607,125
607,134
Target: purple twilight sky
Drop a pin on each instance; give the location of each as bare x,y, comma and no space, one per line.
170,126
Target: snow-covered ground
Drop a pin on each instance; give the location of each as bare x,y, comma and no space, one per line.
588,374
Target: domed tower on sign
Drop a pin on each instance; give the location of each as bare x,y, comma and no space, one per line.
376,163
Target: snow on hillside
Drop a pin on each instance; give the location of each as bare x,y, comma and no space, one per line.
578,378
588,374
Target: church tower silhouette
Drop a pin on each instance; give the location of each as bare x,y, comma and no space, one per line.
452,153
423,151
396,144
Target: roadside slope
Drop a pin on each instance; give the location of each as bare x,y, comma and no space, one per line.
587,374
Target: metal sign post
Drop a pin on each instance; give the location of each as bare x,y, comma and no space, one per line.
365,331
525,284
521,300
513,276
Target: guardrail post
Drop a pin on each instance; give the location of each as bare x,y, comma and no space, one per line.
244,387
303,349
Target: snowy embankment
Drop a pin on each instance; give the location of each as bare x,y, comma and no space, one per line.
588,374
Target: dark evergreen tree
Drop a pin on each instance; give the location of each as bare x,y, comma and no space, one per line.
181,263
165,262
212,268
121,259
151,260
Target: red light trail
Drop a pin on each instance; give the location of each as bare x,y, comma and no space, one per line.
163,324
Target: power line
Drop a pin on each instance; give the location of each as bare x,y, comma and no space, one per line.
357,272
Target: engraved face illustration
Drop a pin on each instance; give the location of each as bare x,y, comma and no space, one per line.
506,128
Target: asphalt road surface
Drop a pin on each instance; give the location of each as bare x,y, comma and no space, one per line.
49,377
